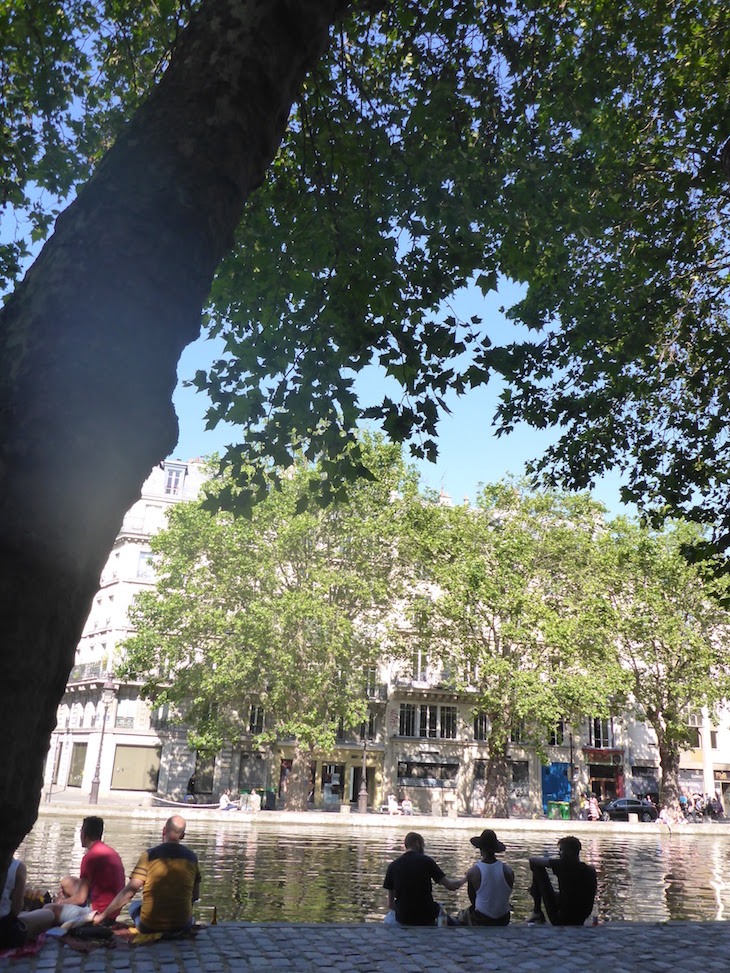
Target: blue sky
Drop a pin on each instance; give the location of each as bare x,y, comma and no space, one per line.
469,451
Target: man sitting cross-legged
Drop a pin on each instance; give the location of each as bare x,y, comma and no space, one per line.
169,878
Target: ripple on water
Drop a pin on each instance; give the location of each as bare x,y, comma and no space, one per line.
274,871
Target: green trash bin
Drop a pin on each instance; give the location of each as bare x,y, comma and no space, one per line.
553,809
564,808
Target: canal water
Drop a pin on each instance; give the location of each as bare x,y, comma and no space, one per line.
268,871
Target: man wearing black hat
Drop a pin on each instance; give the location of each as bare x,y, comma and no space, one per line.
490,884
408,881
577,882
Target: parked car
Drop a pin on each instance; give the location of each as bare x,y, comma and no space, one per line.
622,807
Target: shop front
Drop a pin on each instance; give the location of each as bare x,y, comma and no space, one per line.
334,781
645,782
722,786
605,772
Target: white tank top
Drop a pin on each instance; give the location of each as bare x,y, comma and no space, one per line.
494,891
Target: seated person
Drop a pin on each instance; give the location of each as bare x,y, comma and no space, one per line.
406,806
490,883
408,881
102,876
393,804
169,878
13,931
577,884
225,803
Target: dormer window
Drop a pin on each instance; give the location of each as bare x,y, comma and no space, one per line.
174,479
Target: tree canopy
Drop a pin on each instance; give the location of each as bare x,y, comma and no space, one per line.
574,148
510,613
671,633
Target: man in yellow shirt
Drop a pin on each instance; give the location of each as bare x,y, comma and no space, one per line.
169,878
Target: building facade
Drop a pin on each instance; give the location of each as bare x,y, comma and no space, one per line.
112,734
420,741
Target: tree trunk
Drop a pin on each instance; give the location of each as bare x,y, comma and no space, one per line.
669,792
91,338
297,791
497,786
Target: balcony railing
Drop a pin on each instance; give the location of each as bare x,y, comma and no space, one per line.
124,722
88,672
377,694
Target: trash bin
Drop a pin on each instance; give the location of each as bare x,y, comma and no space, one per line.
558,810
270,800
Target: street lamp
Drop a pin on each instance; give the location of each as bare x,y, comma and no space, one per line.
107,697
572,780
362,797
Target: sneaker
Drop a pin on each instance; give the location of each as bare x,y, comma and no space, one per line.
536,919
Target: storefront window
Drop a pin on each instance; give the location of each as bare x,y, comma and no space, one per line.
432,774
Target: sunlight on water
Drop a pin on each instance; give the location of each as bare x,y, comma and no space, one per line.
273,871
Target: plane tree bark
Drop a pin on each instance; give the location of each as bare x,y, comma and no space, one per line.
90,341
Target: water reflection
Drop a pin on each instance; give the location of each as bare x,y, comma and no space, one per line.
273,871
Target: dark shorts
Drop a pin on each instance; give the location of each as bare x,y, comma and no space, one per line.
479,919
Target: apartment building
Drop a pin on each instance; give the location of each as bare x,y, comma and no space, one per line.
106,739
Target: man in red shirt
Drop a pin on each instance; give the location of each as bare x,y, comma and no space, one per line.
102,876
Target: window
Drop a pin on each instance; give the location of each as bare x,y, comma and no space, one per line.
368,727
557,736
57,762
407,726
713,739
433,721
204,769
481,727
251,772
76,769
126,708
256,719
429,721
145,567
693,734
419,773
517,733
448,723
601,733
371,682
174,476
420,664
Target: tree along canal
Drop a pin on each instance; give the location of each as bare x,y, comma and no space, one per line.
269,870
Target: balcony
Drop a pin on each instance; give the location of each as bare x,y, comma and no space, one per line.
377,694
88,672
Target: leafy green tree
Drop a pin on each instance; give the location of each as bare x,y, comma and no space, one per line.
619,206
509,610
284,610
672,633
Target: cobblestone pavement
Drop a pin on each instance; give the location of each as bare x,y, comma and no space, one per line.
621,947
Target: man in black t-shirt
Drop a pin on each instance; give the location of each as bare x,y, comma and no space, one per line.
577,883
408,881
